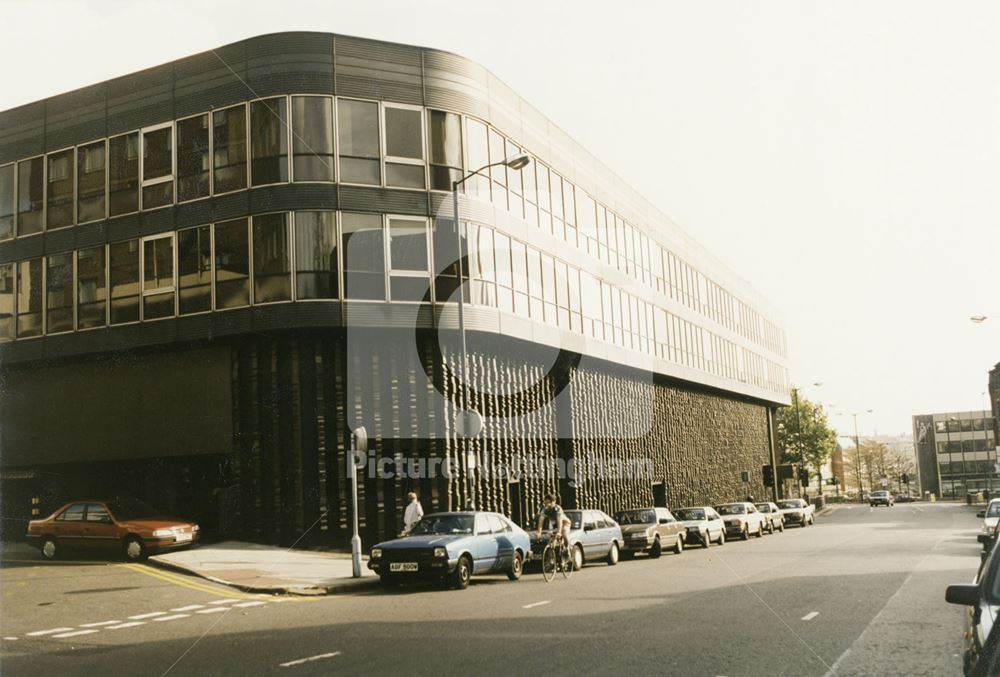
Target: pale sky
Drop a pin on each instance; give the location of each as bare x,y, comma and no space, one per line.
843,157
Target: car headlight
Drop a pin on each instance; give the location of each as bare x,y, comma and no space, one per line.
440,552
376,553
163,533
195,528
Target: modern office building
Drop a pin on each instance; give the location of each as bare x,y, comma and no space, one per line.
956,453
212,271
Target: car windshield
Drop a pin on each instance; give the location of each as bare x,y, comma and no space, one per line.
994,510
576,518
880,494
443,524
685,514
764,507
790,505
636,517
734,509
131,509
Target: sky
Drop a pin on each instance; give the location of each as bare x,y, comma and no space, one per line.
843,157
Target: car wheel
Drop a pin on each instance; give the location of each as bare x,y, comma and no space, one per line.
745,534
462,573
656,550
706,539
770,527
781,526
679,545
133,550
516,567
722,536
577,557
49,548
760,530
812,521
612,558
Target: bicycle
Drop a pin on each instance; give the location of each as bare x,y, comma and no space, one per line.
556,556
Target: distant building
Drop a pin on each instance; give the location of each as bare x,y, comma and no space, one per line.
956,452
994,391
837,465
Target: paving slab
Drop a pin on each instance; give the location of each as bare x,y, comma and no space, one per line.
268,569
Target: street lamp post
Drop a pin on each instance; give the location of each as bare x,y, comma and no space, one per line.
471,422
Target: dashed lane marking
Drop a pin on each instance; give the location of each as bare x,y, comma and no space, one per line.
189,607
224,601
75,634
531,606
247,604
171,618
97,625
151,614
10,639
41,633
300,661
125,625
214,610
811,615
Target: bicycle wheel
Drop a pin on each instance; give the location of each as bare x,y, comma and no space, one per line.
565,561
549,563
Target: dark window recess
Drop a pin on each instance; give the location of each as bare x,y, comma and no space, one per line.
59,194
358,133
272,275
124,273
232,264
194,269
316,255
192,158
91,288
229,147
268,141
312,138
364,256
30,196
59,293
91,177
123,179
6,202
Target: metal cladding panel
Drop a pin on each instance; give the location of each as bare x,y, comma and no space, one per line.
213,79
141,99
455,84
289,63
59,240
361,199
27,247
76,117
534,127
229,206
378,70
294,196
561,145
505,108
123,227
94,234
156,221
22,132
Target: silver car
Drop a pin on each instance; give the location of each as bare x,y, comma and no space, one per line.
702,524
775,520
741,519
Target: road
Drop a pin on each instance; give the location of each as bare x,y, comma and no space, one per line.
859,593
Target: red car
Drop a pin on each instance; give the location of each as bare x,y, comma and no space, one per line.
127,525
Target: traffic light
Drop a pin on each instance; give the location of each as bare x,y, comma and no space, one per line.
803,476
906,478
768,475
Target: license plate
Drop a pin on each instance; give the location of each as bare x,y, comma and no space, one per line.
182,537
402,566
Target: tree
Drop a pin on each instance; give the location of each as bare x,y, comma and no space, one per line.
804,435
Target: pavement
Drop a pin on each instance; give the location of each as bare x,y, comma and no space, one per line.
267,569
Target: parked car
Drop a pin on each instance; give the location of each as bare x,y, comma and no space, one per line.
125,525
796,511
905,498
650,530
775,520
741,519
703,524
453,547
592,536
990,516
880,498
981,655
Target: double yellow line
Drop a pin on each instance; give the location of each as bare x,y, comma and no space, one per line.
177,579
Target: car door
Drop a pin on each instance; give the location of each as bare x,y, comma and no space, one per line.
484,545
99,530
505,547
591,535
68,526
715,525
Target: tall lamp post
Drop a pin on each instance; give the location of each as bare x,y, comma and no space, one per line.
471,422
798,434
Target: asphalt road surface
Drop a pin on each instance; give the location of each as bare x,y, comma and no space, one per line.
859,593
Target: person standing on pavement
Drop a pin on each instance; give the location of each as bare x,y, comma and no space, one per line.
414,511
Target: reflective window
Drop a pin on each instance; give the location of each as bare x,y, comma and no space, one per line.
91,177
229,148
505,284
404,147
157,167
498,153
98,513
91,288
158,277
123,174
312,138
364,258
544,196
530,193
6,202
316,269
59,293
124,273
484,288
409,275
30,195
268,141
6,301
358,134
29,298
232,264
446,261
194,270
519,274
444,132
272,264
478,153
73,513
59,194
192,158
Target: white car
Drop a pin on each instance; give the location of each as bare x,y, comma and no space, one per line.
702,524
742,519
990,516
796,511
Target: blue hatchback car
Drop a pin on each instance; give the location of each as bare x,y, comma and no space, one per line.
453,546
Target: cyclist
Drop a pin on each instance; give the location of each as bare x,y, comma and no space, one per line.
553,514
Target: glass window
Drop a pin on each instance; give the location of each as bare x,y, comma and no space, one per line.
478,150
29,298
316,268
30,195
192,158
409,276
59,293
312,138
364,256
6,202
272,264
446,261
91,288
124,272
91,177
444,131
157,167
268,142
59,194
404,147
499,173
232,264
505,283
73,513
6,301
123,167
229,148
194,269
357,132
98,513
158,277
485,291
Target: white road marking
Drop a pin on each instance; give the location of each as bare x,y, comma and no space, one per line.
39,633
97,625
172,618
224,601
530,606
311,658
216,610
189,607
74,634
149,615
125,625
246,604
10,639
810,616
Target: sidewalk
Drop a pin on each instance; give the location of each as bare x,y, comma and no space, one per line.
268,569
